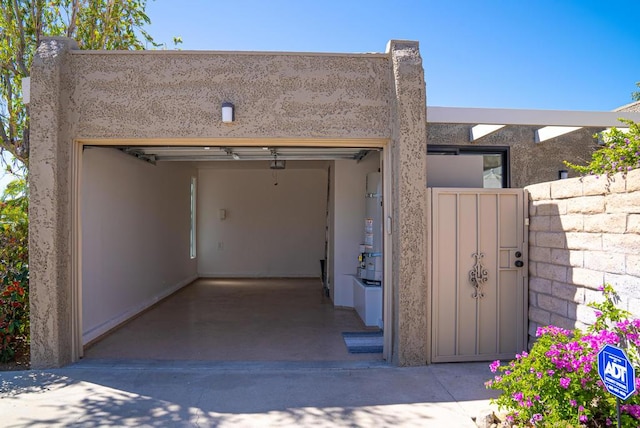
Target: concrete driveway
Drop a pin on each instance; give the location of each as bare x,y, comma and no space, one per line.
96,393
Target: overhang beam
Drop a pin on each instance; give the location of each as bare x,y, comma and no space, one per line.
591,119
482,130
549,132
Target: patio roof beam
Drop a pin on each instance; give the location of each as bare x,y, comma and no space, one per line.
483,130
549,132
591,119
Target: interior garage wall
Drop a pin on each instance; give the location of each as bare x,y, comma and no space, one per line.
349,187
269,230
135,236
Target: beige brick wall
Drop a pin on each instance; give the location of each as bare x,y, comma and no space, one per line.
583,232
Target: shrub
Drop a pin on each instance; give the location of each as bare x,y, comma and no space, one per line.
557,384
620,152
14,269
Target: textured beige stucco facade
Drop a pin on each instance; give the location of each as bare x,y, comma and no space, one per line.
178,94
531,162
174,97
408,154
50,212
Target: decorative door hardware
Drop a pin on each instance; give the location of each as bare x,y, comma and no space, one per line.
478,276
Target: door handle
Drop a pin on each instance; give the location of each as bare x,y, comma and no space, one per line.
519,263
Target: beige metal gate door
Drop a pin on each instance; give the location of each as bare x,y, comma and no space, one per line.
479,273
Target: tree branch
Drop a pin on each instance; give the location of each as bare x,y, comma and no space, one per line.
25,141
9,101
36,12
21,41
5,138
72,20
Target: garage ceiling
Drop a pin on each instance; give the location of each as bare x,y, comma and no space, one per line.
217,153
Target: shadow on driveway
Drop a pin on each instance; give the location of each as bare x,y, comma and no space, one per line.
160,394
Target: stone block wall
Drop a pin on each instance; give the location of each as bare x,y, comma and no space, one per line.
583,232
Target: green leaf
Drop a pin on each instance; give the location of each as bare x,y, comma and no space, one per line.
94,24
619,152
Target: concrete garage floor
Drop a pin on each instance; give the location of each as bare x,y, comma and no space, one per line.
238,320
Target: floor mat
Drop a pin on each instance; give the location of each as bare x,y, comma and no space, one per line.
363,342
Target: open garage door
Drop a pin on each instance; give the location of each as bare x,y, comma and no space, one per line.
180,221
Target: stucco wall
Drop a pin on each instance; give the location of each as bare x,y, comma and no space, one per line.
174,97
530,162
165,94
50,209
135,236
269,230
583,233
408,161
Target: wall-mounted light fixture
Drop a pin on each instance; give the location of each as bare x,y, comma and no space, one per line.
227,112
563,174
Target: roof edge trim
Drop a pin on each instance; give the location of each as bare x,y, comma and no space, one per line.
498,116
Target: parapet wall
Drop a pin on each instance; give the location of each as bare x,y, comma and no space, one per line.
584,232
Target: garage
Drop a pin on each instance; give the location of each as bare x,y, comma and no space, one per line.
223,253
112,233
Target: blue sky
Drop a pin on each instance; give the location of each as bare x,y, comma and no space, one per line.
537,54
532,54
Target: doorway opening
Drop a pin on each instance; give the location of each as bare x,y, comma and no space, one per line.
478,248
250,251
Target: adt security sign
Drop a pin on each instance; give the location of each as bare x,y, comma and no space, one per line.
616,372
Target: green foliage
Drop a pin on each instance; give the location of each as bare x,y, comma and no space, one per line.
620,152
14,269
94,24
635,96
608,314
557,384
